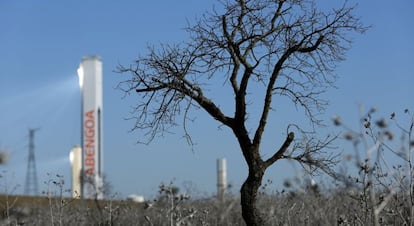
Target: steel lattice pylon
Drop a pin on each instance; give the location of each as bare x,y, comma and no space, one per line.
31,187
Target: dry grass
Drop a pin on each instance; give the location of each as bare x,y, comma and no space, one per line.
339,207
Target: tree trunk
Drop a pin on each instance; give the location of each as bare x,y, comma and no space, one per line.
249,189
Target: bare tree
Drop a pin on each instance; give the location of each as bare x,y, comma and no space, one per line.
288,47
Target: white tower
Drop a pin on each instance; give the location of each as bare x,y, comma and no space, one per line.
90,81
221,178
76,162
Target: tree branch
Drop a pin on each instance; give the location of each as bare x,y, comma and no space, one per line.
279,154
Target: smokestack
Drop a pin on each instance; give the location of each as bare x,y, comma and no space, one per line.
221,178
76,163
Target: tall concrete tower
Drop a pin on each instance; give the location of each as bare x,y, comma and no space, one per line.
221,178
76,163
90,81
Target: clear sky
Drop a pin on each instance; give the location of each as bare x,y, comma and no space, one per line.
42,43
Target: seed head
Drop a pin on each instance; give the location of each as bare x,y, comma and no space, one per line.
336,120
348,136
4,157
381,123
389,135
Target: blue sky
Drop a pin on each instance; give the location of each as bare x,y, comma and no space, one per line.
43,42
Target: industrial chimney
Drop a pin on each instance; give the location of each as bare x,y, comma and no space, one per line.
76,163
221,178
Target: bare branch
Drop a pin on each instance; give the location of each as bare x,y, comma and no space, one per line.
279,154
312,154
